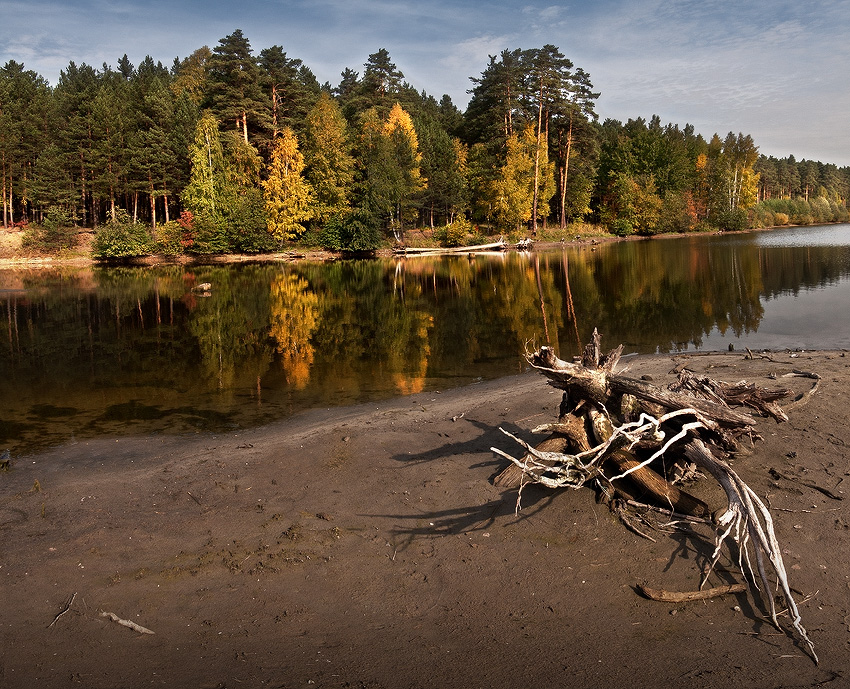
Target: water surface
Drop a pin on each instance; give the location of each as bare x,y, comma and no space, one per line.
107,350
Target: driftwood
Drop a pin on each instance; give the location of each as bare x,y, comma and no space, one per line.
126,623
682,596
623,436
434,250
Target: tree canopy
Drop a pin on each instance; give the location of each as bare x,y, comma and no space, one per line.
248,150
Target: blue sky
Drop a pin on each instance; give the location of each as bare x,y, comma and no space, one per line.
776,70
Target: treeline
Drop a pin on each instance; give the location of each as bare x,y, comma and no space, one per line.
228,150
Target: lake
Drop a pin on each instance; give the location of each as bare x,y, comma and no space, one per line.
120,350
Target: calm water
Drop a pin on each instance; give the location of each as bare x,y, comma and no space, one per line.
96,351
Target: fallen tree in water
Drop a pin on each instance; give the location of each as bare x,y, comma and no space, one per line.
631,441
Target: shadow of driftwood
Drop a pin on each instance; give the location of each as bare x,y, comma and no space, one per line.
490,436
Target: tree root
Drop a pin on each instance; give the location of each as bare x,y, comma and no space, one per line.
693,422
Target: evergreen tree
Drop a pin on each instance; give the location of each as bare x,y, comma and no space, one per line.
26,117
290,98
234,92
381,81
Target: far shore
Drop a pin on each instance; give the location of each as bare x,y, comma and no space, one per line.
12,257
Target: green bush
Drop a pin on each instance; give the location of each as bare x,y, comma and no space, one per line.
622,227
732,221
209,235
248,228
121,238
350,231
457,232
169,239
55,233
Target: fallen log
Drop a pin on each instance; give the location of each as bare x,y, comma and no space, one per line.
493,246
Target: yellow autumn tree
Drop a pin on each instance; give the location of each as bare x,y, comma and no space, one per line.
513,189
403,176
288,196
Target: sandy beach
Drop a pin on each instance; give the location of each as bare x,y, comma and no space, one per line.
368,547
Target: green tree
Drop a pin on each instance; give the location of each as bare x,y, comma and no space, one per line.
381,81
25,120
444,167
328,162
290,91
234,91
209,192
288,196
113,123
75,96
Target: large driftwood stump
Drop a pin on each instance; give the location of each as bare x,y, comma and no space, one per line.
620,435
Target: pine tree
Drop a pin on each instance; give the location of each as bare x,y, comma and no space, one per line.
288,196
234,91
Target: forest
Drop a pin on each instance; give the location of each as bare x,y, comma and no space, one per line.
229,150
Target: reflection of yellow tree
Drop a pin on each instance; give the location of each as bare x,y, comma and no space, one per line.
410,368
294,318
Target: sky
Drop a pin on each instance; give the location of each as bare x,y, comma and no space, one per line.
777,70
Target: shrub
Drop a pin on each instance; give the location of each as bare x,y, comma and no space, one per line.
169,238
622,227
121,238
209,234
55,233
248,229
457,232
732,221
350,231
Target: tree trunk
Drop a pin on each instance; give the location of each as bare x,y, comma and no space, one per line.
537,162
565,169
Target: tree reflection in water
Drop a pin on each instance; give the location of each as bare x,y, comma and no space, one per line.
121,350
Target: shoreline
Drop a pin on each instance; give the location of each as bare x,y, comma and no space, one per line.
367,546
319,255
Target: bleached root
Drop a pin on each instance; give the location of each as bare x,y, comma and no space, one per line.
747,520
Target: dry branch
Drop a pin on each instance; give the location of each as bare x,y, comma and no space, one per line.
682,596
126,623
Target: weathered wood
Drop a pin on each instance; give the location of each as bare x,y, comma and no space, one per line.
500,245
600,386
646,479
741,393
683,596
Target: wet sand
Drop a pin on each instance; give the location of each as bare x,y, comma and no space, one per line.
368,547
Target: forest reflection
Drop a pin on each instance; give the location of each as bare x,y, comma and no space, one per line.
117,349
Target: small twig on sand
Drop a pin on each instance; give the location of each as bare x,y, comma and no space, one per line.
64,610
681,596
126,623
